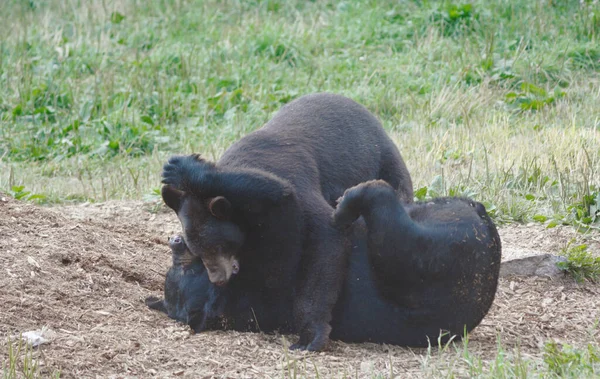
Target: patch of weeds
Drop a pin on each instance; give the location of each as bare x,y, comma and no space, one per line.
153,200
421,194
226,103
437,189
453,18
514,209
492,211
51,141
273,5
419,86
144,42
580,263
586,57
549,74
462,191
268,5
472,76
43,100
116,18
466,363
498,70
77,138
159,106
271,46
224,84
21,363
587,25
277,99
19,193
454,156
532,97
586,213
173,65
130,139
567,361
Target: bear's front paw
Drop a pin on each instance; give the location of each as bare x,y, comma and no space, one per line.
313,338
181,171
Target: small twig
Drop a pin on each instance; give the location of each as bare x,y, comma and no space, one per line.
158,273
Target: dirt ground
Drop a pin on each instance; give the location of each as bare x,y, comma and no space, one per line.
83,272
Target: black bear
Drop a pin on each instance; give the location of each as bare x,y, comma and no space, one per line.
190,298
265,208
430,267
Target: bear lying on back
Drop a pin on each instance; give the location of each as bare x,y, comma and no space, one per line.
190,298
260,218
438,261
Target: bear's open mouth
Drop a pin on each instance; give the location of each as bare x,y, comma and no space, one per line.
176,242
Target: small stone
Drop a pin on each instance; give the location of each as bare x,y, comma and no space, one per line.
536,265
36,338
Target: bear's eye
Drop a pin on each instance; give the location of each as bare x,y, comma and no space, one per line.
212,267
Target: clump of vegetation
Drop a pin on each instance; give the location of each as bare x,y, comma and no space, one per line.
153,201
587,211
19,193
558,360
453,18
532,97
584,57
567,361
22,362
580,263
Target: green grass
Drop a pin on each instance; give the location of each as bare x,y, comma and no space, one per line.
462,360
492,99
557,361
580,263
21,361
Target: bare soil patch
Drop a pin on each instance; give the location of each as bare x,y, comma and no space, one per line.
83,271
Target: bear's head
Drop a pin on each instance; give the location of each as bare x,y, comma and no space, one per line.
209,231
180,254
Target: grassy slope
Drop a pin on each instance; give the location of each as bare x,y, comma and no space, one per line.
498,99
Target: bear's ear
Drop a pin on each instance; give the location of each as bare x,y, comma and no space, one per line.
220,207
172,197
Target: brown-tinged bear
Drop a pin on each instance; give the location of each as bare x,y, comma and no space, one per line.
262,213
431,267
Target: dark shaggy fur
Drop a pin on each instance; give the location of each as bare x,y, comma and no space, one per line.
190,298
265,208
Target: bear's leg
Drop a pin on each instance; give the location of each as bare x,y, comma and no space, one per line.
393,170
154,302
322,274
